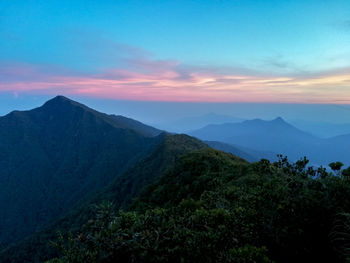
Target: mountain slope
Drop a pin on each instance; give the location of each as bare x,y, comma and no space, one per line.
232,149
55,155
243,152
127,123
148,170
214,207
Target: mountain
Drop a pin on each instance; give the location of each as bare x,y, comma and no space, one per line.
127,123
275,136
53,156
120,191
193,123
322,129
337,149
265,139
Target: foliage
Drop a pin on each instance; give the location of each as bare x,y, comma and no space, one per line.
214,207
336,166
36,248
346,173
340,235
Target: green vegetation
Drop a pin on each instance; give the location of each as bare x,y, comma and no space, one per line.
37,247
214,207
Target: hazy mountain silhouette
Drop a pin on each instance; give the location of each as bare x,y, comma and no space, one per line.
278,136
197,122
322,129
275,136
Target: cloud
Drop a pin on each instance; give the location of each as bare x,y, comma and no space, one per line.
158,80
134,74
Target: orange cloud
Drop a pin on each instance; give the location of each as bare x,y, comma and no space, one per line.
172,83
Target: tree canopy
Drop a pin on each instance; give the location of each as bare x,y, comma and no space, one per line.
214,207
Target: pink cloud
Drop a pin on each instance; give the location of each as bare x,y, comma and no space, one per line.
168,80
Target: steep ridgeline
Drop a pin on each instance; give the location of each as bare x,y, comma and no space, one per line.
148,170
127,123
55,155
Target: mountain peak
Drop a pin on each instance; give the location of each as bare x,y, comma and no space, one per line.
63,106
279,119
59,99
63,102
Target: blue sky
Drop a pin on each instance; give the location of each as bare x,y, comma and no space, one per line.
248,34
183,51
208,32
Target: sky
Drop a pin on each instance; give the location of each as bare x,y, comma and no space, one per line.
183,51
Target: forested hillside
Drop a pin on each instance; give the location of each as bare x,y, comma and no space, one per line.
120,192
214,207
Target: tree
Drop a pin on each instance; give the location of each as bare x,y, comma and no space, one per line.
346,173
336,166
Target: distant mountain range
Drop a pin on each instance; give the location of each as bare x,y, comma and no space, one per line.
193,123
276,136
317,128
322,129
280,137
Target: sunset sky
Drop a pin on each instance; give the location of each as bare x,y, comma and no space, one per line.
180,51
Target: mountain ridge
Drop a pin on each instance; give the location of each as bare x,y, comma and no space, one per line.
56,154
